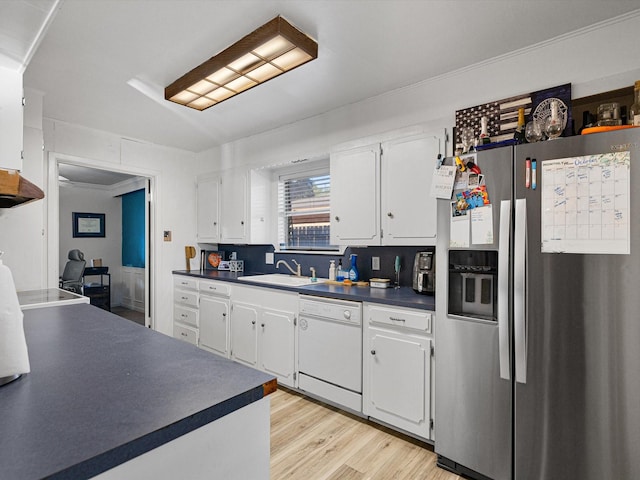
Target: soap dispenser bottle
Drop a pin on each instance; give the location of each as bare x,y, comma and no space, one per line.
332,270
353,271
340,272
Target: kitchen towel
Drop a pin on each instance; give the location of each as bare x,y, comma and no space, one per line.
14,357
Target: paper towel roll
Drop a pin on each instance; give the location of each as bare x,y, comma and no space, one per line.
14,357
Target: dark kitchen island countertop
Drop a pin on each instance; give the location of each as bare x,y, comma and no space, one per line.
400,297
103,390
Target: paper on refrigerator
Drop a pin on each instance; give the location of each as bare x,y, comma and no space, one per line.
459,228
586,204
482,225
442,181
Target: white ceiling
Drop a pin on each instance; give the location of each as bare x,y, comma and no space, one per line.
76,174
104,63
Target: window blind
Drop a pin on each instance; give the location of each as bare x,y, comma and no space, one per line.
304,210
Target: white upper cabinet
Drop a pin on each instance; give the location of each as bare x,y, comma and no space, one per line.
233,207
380,193
260,208
208,191
355,190
228,211
408,210
11,119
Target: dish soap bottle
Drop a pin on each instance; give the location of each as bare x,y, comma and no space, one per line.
340,272
353,271
332,270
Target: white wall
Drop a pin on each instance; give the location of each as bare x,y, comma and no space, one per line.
173,196
593,60
109,248
22,228
596,59
28,232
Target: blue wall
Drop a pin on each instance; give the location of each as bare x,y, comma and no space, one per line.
133,231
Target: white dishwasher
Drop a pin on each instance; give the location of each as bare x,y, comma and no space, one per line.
330,350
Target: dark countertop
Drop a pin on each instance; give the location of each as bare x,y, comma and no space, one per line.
401,297
103,390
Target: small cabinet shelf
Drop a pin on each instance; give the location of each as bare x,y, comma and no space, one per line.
99,292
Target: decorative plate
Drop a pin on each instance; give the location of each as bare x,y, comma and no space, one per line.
543,111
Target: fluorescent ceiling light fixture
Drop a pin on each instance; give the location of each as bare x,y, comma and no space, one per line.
274,48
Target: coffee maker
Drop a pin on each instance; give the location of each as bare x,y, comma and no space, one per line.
424,272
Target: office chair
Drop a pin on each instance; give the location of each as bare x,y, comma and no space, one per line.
71,278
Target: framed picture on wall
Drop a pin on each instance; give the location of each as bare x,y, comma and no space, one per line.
88,224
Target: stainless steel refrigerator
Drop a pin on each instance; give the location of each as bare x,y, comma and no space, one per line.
537,334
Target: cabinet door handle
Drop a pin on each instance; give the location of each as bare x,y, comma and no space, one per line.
390,215
241,222
215,223
253,322
262,325
373,352
397,319
337,218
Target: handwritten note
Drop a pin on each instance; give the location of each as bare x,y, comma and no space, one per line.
442,182
482,225
586,204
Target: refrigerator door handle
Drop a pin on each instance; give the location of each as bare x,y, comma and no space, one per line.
503,289
519,291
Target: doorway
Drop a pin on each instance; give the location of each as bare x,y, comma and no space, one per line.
78,185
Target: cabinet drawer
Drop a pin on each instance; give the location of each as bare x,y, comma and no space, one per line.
185,283
406,318
185,315
189,335
215,288
186,298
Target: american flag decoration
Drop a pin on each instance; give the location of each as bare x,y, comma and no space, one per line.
503,114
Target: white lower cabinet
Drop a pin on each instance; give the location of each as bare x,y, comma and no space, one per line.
397,367
214,317
263,330
244,325
256,326
185,308
276,341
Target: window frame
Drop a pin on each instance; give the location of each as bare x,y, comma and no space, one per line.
299,170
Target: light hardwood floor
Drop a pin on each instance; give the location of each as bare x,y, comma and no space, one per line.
313,441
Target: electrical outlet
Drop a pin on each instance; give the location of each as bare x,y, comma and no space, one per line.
268,258
375,263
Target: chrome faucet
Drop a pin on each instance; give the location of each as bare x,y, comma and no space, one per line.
297,272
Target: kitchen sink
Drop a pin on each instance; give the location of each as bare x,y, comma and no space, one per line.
282,279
